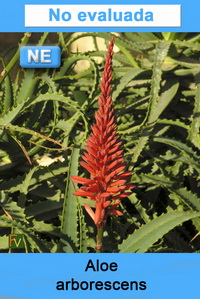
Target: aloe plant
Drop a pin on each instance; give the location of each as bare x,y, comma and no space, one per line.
103,159
46,118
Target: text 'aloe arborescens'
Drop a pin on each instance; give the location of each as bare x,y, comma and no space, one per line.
103,157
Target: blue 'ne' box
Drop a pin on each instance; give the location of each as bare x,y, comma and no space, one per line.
40,57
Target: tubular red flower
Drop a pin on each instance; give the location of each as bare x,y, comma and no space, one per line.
103,157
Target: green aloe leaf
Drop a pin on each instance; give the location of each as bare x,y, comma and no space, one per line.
151,232
70,208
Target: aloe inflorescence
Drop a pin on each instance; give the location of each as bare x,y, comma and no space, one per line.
103,157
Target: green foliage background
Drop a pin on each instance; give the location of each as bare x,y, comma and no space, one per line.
47,114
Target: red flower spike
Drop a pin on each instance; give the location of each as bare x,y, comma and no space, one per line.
103,157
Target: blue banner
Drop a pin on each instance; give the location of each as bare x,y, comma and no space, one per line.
48,15
100,275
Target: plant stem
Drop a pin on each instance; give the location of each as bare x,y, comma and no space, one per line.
99,239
